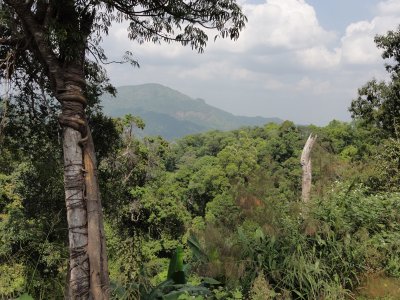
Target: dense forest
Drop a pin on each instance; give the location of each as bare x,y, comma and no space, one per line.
215,215
222,209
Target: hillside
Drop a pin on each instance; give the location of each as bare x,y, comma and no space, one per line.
171,114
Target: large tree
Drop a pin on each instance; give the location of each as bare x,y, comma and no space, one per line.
49,43
378,103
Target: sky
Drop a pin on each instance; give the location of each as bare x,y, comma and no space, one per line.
299,60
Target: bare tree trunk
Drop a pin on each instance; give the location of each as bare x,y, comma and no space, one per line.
99,280
76,214
307,168
92,281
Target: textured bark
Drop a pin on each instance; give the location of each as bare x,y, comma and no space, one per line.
99,281
307,168
76,214
72,119
96,284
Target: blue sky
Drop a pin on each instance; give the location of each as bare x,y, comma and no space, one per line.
338,14
301,60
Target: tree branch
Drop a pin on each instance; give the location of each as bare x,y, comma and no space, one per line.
31,27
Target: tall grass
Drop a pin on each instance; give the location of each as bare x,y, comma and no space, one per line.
317,252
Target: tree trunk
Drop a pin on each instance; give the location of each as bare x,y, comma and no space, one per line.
88,271
307,169
99,280
76,210
88,260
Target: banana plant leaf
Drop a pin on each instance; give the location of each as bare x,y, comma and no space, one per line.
176,267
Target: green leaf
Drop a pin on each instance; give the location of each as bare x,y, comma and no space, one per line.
179,277
197,251
157,292
259,234
25,296
210,281
173,296
191,290
299,294
175,269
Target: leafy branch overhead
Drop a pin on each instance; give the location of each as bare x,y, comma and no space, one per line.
56,30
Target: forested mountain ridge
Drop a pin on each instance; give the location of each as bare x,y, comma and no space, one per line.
171,114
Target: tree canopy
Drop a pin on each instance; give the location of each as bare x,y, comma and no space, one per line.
378,103
47,36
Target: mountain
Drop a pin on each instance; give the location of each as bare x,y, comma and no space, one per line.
171,114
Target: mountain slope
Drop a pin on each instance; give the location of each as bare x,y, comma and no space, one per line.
172,114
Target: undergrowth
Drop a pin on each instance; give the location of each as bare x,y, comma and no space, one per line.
313,252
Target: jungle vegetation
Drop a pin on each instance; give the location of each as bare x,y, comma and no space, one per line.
52,49
215,215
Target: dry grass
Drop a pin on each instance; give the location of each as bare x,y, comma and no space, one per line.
378,286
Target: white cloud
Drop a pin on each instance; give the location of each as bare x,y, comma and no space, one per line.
317,87
288,24
390,7
273,84
319,57
358,45
218,70
225,70
284,25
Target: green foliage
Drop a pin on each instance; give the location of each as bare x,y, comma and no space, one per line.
343,236
45,67
237,191
260,289
223,210
388,166
12,279
175,286
33,230
175,269
25,296
31,248
378,102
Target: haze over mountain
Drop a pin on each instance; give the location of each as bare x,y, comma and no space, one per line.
171,114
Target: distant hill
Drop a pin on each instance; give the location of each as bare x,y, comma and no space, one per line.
172,114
